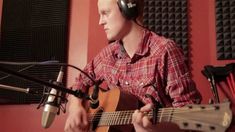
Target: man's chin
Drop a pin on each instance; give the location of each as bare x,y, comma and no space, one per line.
111,41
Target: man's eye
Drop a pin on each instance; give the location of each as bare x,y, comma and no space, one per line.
107,12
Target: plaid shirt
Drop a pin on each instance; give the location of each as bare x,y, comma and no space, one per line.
157,68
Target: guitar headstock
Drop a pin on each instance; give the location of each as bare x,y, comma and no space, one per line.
213,117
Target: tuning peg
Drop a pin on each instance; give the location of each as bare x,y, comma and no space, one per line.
211,101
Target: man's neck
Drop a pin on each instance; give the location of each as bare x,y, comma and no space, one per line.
132,40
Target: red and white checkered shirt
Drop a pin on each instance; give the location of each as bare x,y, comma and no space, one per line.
157,68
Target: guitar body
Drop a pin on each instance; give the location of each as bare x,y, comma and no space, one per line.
115,110
114,100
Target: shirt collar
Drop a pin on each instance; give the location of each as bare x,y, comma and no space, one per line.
142,50
144,44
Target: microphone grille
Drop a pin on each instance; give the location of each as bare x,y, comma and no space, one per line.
48,116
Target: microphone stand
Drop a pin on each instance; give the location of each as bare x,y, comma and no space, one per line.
48,115
76,93
18,89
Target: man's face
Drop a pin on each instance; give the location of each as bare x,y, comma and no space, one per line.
115,25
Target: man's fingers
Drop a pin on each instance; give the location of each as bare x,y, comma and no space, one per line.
141,121
139,117
84,122
147,107
146,122
136,117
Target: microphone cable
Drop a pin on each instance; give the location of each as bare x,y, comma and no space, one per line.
49,63
93,97
32,64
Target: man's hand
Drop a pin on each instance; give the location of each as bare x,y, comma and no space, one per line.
141,121
77,120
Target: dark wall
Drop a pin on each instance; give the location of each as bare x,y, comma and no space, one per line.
32,31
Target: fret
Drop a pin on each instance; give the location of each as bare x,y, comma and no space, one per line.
105,119
170,115
160,119
110,118
123,116
128,118
119,118
165,115
114,118
101,120
106,122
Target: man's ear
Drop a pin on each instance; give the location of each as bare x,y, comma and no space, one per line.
128,9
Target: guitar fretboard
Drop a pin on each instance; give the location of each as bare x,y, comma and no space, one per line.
193,117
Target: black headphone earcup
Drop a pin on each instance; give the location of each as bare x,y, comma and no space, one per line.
129,10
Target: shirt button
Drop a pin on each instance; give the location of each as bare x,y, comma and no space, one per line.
141,84
126,83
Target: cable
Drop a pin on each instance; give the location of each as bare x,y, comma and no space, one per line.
32,64
28,63
49,63
94,102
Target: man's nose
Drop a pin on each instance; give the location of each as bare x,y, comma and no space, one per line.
101,21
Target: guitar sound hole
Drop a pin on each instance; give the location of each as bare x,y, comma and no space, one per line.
212,127
198,125
185,124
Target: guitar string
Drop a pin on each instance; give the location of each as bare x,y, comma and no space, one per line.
162,111
115,115
111,115
174,118
125,120
124,117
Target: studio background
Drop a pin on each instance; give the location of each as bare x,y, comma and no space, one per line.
86,38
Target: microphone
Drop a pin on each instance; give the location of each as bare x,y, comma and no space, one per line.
52,105
94,101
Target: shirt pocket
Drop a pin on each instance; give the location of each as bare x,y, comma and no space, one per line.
111,81
145,82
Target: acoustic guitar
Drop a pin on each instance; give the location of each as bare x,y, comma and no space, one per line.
115,111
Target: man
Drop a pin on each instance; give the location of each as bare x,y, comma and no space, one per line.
138,61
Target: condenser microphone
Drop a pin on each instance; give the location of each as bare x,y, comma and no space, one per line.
52,105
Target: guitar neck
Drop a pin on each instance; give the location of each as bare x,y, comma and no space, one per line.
114,118
125,117
193,117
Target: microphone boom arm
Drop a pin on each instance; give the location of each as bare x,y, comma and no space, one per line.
18,89
76,93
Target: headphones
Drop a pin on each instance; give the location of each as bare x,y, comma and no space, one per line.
128,9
